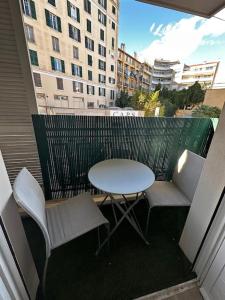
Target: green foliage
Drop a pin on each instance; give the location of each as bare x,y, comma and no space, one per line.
167,109
168,100
195,94
123,100
205,111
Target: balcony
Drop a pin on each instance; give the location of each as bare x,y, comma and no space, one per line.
59,151
68,146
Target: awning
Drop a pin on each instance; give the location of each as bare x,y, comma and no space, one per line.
203,8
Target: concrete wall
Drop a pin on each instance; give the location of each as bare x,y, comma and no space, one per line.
215,97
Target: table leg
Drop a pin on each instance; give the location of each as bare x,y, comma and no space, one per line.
125,215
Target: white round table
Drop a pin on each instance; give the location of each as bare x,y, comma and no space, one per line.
121,176
124,177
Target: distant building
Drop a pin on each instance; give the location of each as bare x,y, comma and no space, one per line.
131,73
204,73
163,73
73,52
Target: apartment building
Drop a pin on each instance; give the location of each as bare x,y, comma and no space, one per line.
73,52
204,73
131,73
163,73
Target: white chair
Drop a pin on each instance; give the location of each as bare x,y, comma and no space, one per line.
60,223
180,191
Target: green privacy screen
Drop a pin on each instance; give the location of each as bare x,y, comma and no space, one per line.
69,146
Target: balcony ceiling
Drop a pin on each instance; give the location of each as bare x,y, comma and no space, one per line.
203,8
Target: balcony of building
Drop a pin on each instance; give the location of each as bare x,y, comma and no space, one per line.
184,242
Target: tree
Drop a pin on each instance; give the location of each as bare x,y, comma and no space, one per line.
168,109
205,111
123,100
158,87
149,102
195,94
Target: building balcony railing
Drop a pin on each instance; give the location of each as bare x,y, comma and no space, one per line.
69,145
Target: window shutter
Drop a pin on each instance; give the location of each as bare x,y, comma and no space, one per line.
47,17
22,6
33,11
68,8
79,39
63,66
93,90
70,31
89,7
85,41
78,15
59,24
53,63
72,69
92,45
81,75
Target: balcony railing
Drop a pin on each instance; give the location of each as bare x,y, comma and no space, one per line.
69,145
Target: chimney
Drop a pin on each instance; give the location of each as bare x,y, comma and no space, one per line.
123,46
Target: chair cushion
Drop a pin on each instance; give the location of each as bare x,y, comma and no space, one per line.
72,218
164,193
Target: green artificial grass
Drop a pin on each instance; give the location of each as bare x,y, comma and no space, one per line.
131,269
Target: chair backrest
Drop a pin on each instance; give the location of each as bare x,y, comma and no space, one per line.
187,173
29,195
20,262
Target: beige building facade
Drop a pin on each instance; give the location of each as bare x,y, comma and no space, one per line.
204,73
73,52
131,73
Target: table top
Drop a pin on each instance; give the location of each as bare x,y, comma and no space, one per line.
121,176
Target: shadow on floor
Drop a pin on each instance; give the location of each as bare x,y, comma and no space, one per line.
132,269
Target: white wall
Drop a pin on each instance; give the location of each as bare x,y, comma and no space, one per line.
208,192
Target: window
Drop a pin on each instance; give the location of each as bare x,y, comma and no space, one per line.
52,2
74,33
112,68
90,105
101,91
78,87
76,70
59,82
90,61
103,3
89,75
60,97
73,11
55,43
88,25
29,8
101,65
113,25
101,78
113,43
112,80
90,90
89,43
37,79
87,6
112,95
102,34
113,10
57,64
75,52
102,50
29,31
101,17
53,21
33,57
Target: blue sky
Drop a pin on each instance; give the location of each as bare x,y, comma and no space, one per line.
154,31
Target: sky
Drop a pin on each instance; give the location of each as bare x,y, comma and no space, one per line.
156,32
